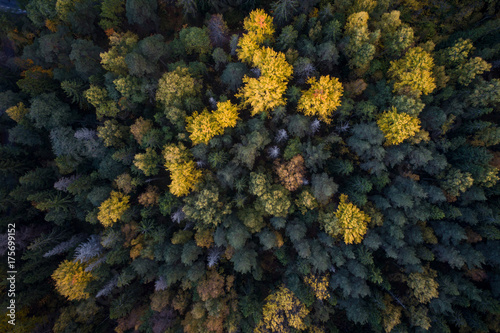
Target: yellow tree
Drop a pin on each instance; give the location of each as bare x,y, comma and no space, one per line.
412,74
282,312
262,94
202,127
72,279
397,127
183,171
226,114
322,98
348,221
112,209
319,285
206,125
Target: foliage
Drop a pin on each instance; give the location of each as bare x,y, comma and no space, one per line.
113,208
72,279
397,127
322,98
282,312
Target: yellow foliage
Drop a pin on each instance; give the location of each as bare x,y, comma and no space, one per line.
353,221
282,311
423,285
112,209
319,285
272,63
226,114
247,46
322,98
259,23
397,127
391,315
17,112
184,176
202,127
412,74
71,280
183,171
262,94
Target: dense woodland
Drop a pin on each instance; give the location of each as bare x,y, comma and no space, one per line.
251,165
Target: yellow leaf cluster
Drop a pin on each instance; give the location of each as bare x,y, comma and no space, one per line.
423,285
183,171
282,311
260,24
322,98
112,209
319,285
353,222
412,74
17,112
206,125
266,92
72,279
397,127
262,94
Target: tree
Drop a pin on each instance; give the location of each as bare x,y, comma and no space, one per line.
111,10
423,286
99,98
292,173
121,44
319,285
113,208
262,94
348,221
183,171
456,181
72,279
218,31
140,128
195,40
412,74
397,127
148,162
47,111
176,86
396,37
323,187
142,12
322,98
282,312
361,44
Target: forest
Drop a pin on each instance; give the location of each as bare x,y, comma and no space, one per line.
265,166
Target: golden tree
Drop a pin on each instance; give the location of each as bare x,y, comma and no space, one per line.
397,127
17,112
412,74
262,94
202,126
72,279
112,209
226,114
322,98
319,285
282,312
183,171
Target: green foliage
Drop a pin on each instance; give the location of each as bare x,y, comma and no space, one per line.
195,40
